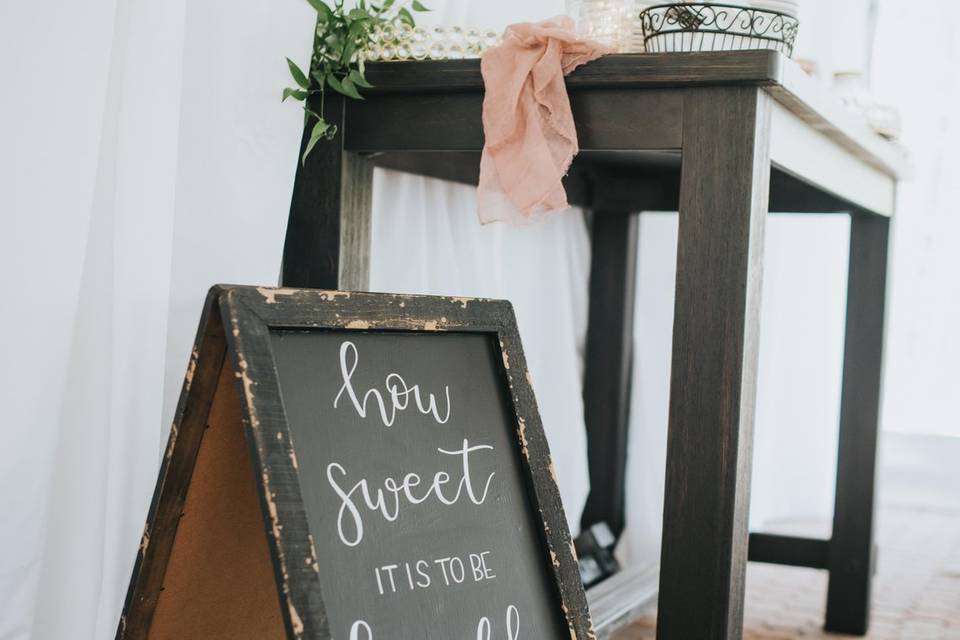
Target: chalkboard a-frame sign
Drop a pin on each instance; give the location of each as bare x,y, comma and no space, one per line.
356,466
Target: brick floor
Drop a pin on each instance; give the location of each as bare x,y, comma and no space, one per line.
916,591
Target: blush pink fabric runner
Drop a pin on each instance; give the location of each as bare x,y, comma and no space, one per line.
527,122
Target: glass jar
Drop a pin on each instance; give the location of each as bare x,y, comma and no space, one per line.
610,22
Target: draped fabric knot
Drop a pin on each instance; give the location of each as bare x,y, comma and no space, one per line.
530,137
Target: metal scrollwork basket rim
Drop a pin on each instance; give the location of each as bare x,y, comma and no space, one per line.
667,5
775,26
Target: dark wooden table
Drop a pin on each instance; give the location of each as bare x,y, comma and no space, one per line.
723,138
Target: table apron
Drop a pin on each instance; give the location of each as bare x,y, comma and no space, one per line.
606,119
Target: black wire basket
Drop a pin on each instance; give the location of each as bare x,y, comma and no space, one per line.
700,26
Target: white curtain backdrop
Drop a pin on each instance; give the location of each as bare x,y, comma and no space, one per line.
922,383
426,240
144,155
91,114
798,394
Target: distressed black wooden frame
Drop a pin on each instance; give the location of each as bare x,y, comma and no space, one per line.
237,320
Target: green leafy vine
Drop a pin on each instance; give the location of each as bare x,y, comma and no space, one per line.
342,40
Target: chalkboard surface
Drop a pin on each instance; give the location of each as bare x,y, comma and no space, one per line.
355,466
410,474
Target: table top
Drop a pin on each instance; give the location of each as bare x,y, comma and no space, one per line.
790,86
628,109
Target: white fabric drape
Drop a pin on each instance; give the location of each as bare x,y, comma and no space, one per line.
426,240
93,113
151,158
923,345
798,394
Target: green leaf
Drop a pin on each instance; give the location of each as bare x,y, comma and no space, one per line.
348,50
334,83
350,89
324,14
358,79
387,4
319,130
357,28
358,14
296,94
310,113
297,74
418,7
344,86
406,17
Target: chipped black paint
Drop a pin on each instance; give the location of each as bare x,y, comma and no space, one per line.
236,321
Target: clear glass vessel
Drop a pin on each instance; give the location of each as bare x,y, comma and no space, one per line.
611,22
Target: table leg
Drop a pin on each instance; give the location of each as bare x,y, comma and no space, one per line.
851,545
723,205
327,245
608,362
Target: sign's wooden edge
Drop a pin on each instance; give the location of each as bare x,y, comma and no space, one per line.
292,548
540,468
176,469
237,320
